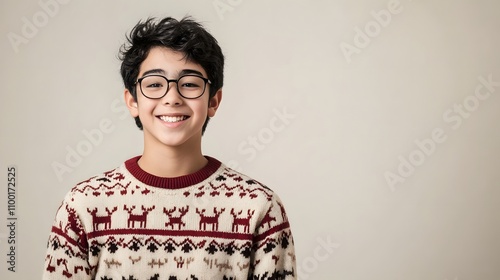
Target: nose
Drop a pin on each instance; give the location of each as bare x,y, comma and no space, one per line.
173,96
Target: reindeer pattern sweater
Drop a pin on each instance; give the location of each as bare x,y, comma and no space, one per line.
213,224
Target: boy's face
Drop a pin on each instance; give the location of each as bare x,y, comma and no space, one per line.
171,120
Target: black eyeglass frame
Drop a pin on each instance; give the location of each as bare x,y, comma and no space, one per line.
207,81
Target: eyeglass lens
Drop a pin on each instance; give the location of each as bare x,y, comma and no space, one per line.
157,86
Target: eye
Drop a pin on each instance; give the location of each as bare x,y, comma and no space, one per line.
191,82
190,85
153,82
154,85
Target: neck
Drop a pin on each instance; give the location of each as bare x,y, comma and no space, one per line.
191,179
172,162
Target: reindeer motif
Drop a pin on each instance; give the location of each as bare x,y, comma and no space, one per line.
224,265
276,259
73,223
72,220
244,266
154,262
214,262
97,220
245,222
267,218
181,261
112,262
50,268
134,260
66,270
209,220
142,218
175,220
188,261
209,262
78,268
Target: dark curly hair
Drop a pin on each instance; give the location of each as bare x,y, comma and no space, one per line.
186,36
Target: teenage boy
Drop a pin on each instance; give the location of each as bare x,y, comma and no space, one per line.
171,213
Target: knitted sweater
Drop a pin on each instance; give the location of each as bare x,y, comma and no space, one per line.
128,224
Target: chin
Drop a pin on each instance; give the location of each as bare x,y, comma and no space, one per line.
181,142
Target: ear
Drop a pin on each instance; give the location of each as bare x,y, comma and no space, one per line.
131,103
214,103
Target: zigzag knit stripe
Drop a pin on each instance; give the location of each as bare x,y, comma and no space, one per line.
163,232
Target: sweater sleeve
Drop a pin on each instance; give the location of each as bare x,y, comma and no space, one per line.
273,252
67,253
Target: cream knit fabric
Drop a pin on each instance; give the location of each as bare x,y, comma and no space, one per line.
128,224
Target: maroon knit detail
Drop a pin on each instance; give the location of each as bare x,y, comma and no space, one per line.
170,233
67,238
173,182
271,231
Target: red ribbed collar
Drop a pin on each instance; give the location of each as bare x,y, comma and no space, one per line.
174,182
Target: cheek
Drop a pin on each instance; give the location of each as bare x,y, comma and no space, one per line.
144,107
201,106
202,110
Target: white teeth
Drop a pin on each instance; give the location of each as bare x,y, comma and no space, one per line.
172,119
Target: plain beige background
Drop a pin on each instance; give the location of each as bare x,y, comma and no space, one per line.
322,101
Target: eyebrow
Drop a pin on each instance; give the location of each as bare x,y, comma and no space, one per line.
162,72
190,71
154,71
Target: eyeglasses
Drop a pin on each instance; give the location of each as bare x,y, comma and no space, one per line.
188,86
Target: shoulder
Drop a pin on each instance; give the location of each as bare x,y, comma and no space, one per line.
270,214
102,183
245,192
231,179
230,182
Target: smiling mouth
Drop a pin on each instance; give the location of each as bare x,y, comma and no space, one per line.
173,119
